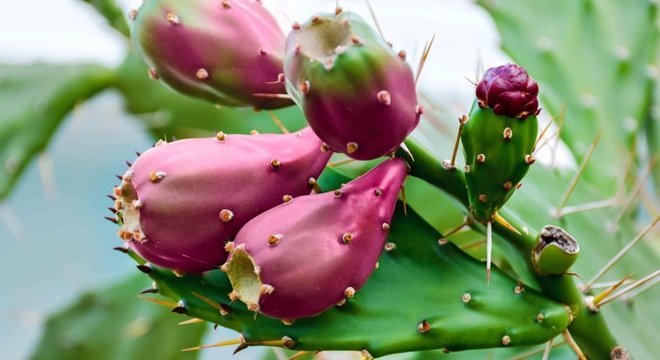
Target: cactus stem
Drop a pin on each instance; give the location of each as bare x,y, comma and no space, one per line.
384,97
573,345
425,55
347,238
278,122
165,303
238,341
424,327
619,255
507,134
287,198
172,19
191,321
351,147
633,194
226,215
489,249
583,166
220,307
461,124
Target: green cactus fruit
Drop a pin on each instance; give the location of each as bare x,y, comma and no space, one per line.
357,93
555,251
499,138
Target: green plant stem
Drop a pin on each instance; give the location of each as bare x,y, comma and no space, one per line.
589,329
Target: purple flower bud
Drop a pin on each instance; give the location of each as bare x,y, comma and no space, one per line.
509,90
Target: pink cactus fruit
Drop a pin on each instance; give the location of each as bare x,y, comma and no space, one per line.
301,258
223,51
180,202
357,93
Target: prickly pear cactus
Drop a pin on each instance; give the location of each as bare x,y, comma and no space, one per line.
427,290
229,52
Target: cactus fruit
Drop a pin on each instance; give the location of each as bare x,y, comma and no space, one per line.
555,251
301,258
180,202
223,51
499,138
357,93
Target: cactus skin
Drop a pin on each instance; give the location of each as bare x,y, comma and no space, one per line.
357,94
181,201
498,148
206,49
324,246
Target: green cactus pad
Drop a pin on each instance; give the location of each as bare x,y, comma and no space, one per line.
422,296
498,152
